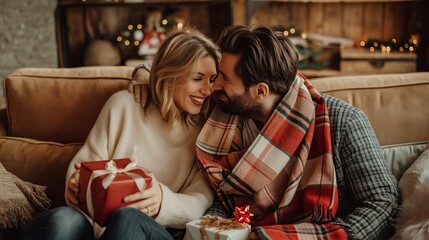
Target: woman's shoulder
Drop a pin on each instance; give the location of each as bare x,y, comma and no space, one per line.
122,96
122,99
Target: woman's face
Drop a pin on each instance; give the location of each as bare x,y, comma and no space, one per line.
190,94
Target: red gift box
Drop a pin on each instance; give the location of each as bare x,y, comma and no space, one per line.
110,181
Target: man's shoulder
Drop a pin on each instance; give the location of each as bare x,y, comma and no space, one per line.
338,105
340,111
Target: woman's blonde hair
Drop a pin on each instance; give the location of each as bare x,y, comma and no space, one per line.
177,57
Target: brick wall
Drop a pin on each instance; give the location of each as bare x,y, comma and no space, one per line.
27,36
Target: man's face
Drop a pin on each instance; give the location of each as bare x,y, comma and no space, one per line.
230,92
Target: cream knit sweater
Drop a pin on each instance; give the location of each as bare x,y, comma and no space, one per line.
123,129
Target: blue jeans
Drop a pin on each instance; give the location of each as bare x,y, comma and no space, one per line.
67,223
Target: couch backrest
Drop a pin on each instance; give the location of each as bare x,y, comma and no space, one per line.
397,105
59,105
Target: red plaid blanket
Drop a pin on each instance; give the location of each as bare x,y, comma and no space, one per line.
285,172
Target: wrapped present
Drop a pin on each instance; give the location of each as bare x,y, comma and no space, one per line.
104,184
217,228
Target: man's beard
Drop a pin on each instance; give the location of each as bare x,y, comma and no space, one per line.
242,105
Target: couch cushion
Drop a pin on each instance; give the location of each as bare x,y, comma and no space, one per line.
43,163
399,157
395,104
59,105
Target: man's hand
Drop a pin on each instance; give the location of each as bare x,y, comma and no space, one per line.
72,187
139,86
150,199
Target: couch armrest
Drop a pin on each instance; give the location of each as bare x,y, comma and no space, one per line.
4,123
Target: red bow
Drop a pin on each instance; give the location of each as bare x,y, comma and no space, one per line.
242,214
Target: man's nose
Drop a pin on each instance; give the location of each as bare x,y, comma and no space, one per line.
217,84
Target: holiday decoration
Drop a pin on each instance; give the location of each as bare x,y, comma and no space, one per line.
146,38
242,214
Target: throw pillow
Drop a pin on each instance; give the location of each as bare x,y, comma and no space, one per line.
415,175
413,219
20,201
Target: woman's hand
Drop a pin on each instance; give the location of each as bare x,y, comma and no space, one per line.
139,86
72,187
148,201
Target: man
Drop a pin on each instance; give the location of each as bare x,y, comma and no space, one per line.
309,165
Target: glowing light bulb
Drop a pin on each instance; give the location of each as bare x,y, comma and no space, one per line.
130,27
136,43
286,33
119,38
394,40
411,49
292,30
127,42
371,49
375,44
139,26
303,35
164,22
362,43
179,26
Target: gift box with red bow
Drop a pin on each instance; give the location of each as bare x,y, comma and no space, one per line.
104,184
217,228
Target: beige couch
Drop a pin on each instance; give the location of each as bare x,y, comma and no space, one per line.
50,112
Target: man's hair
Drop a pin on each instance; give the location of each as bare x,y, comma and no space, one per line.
265,56
177,58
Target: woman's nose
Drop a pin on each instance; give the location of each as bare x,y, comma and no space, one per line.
207,89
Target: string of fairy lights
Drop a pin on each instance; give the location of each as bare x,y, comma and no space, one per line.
394,44
373,45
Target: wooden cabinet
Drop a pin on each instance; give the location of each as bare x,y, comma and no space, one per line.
80,23
359,61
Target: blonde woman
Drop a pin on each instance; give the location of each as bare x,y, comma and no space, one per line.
161,137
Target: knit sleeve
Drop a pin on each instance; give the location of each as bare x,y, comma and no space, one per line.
96,144
186,205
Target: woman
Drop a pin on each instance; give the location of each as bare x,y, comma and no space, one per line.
161,138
